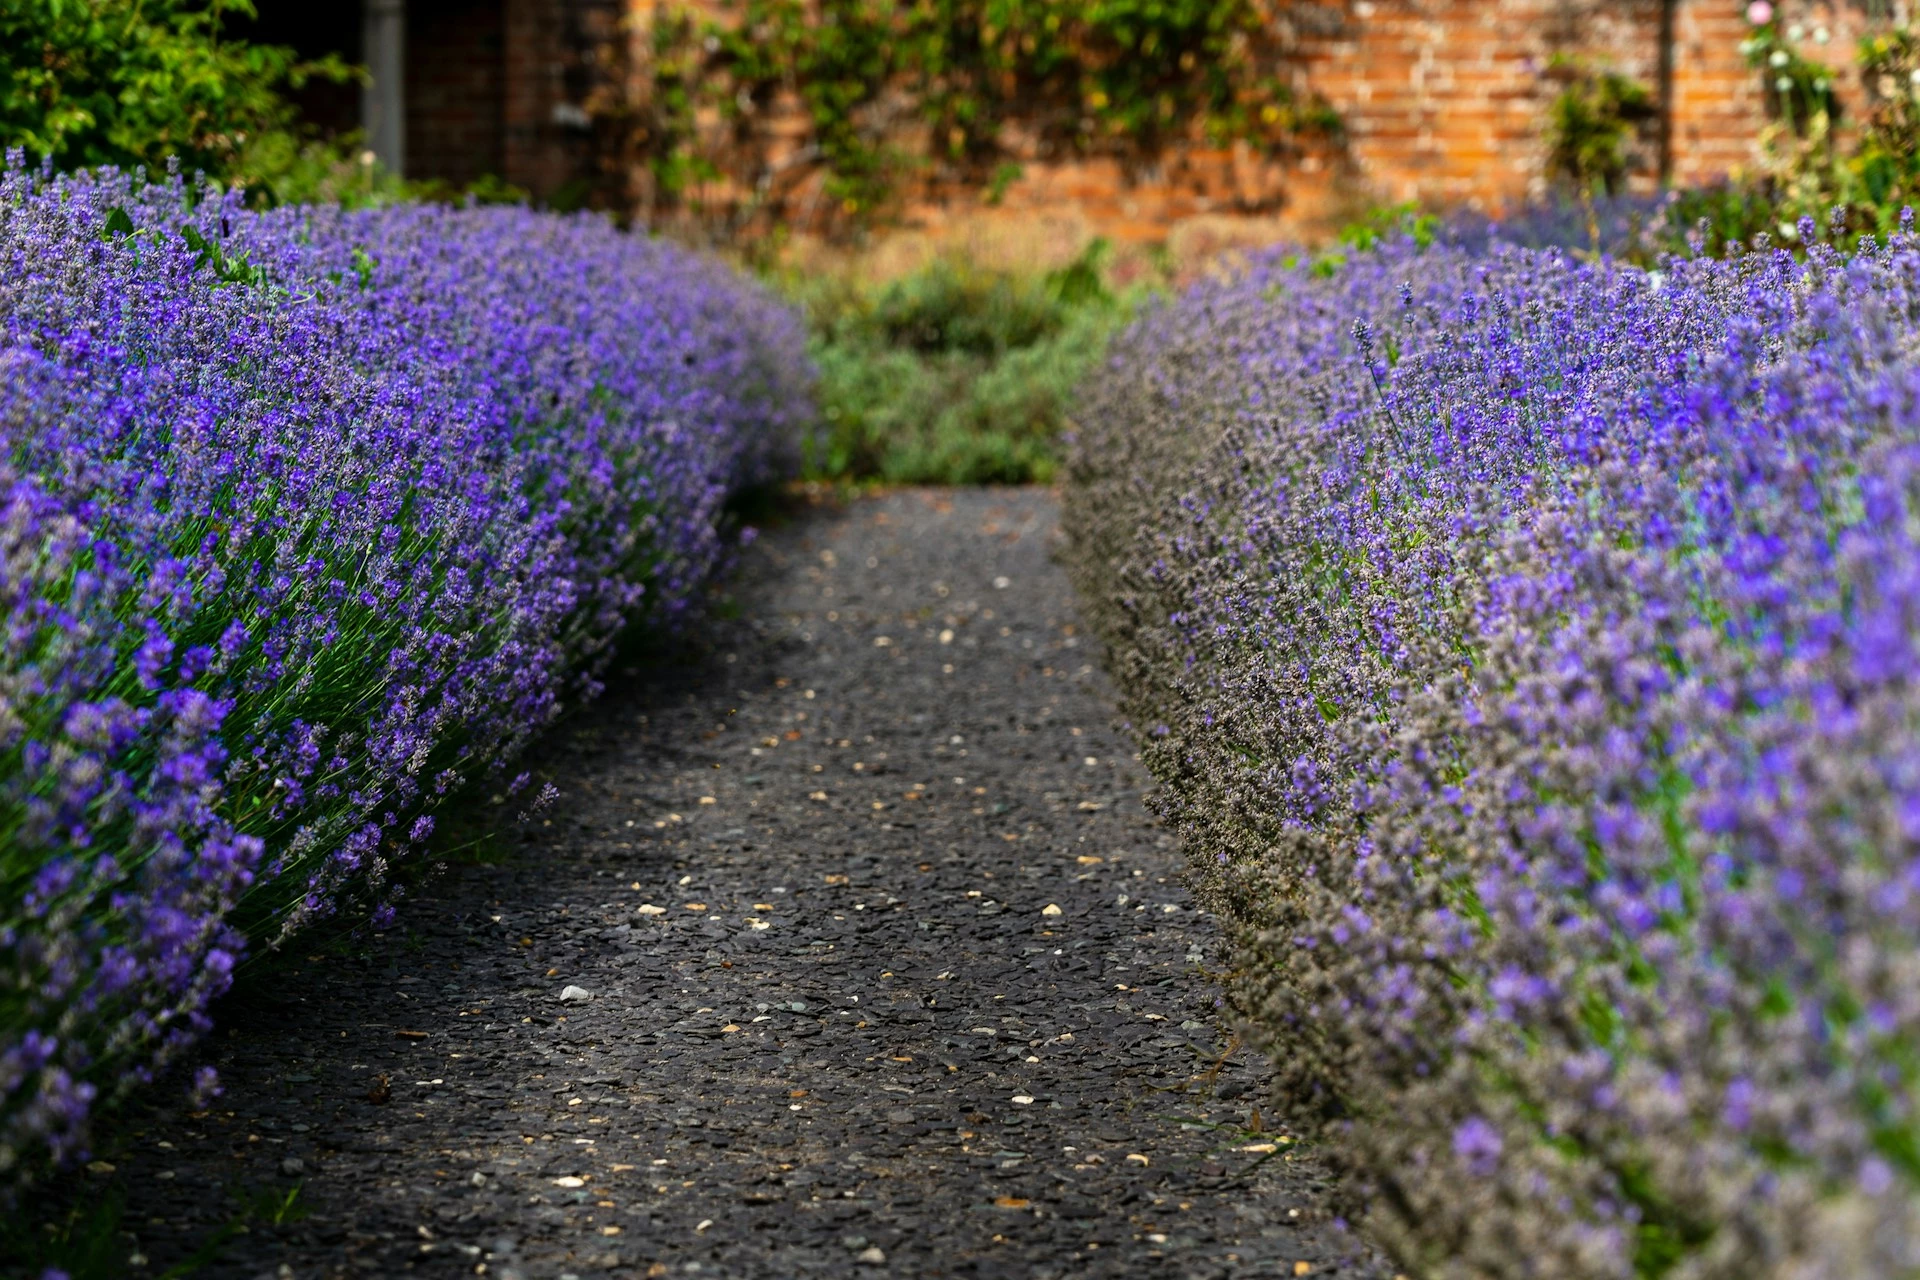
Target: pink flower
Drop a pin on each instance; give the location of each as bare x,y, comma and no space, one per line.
1759,13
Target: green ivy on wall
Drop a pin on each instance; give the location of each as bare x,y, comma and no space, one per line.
1078,77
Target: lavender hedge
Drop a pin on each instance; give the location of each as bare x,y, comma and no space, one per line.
308,520
1529,655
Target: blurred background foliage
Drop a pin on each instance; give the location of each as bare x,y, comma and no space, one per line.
956,373
1851,177
157,82
1591,122
151,82
1076,76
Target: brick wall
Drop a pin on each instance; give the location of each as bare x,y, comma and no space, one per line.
1717,109
1443,101
501,88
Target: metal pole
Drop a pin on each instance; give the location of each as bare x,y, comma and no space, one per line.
383,103
1667,10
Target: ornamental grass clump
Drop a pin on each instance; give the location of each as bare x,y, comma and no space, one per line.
308,520
1528,651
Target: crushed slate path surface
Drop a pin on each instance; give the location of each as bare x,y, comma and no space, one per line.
887,971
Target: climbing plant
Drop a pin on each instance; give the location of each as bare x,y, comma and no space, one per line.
886,87
1799,90
1591,122
1849,181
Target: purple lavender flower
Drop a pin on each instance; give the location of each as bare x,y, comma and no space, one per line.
284,565
1478,1145
1531,646
206,1087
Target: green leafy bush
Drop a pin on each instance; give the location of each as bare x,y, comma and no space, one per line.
151,82
138,82
950,308
1592,120
954,375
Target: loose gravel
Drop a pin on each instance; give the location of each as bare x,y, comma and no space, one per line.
848,948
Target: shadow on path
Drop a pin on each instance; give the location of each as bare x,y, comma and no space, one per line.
885,971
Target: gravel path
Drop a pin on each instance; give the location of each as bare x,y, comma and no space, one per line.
888,972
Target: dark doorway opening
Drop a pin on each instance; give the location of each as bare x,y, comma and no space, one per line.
456,90
453,85
314,30
480,88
